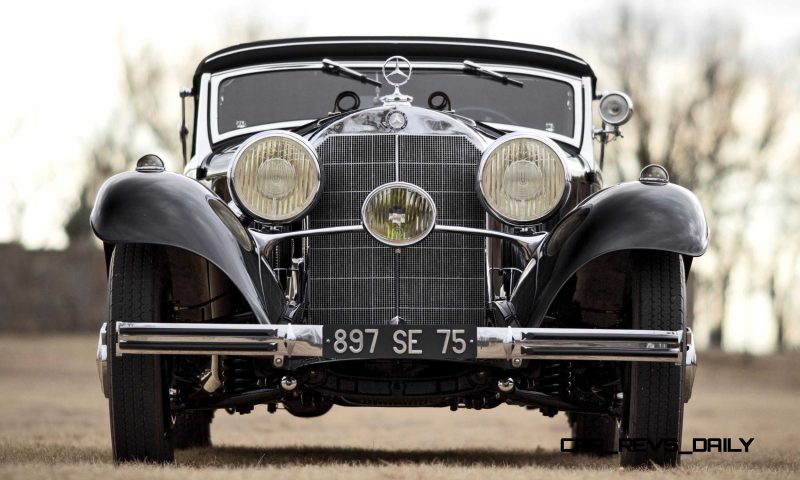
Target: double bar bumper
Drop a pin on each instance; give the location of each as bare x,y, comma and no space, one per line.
305,341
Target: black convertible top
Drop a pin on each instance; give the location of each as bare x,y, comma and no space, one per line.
380,48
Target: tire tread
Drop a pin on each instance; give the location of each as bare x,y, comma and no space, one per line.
137,404
656,405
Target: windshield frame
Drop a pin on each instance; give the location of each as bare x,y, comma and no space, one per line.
575,82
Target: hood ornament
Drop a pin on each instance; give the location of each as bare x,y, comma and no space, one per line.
399,72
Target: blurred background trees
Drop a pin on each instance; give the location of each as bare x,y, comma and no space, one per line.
695,92
147,116
719,117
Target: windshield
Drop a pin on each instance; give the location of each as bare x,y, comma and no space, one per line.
286,95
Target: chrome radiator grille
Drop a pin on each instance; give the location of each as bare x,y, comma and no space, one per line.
352,277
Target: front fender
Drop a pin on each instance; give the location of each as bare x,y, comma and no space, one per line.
169,209
628,216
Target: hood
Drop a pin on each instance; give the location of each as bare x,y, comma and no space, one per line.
401,120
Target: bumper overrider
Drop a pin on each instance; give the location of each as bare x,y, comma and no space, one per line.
514,345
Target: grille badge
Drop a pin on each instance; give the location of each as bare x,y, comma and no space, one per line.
395,120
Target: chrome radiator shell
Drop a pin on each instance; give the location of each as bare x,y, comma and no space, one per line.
353,279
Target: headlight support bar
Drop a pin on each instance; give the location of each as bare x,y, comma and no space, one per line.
527,244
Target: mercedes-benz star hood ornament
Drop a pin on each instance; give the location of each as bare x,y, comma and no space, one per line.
397,72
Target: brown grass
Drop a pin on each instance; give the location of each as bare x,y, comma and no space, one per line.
53,424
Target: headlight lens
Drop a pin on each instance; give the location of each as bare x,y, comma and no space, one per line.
522,179
275,176
399,214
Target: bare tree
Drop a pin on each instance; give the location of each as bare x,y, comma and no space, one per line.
144,121
688,90
783,275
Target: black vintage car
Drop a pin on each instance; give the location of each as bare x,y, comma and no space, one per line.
397,222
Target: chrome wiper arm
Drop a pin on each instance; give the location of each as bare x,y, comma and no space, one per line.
331,65
470,65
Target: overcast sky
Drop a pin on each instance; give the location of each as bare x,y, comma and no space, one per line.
60,60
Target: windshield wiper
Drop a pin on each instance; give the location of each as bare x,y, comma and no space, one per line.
329,64
476,123
470,65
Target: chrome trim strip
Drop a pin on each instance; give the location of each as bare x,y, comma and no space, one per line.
202,140
527,244
587,127
493,343
396,161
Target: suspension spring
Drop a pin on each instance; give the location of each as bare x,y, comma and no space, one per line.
555,379
238,375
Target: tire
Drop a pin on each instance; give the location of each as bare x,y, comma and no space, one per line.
654,406
139,402
193,430
598,434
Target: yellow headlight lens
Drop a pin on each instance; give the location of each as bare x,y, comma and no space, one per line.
275,176
521,179
399,214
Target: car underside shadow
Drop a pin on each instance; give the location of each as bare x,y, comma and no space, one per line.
234,456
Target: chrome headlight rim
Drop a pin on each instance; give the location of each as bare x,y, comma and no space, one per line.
259,137
499,142
409,186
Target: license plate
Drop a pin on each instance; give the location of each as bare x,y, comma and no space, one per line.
399,341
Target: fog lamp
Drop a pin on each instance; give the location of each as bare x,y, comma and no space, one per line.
399,214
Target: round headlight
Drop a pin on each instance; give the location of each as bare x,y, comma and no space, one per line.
275,176
399,214
522,179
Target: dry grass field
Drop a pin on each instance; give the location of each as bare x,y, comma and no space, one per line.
53,424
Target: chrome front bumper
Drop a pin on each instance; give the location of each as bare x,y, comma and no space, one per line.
305,341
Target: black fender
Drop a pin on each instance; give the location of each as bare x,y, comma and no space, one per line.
165,208
628,216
